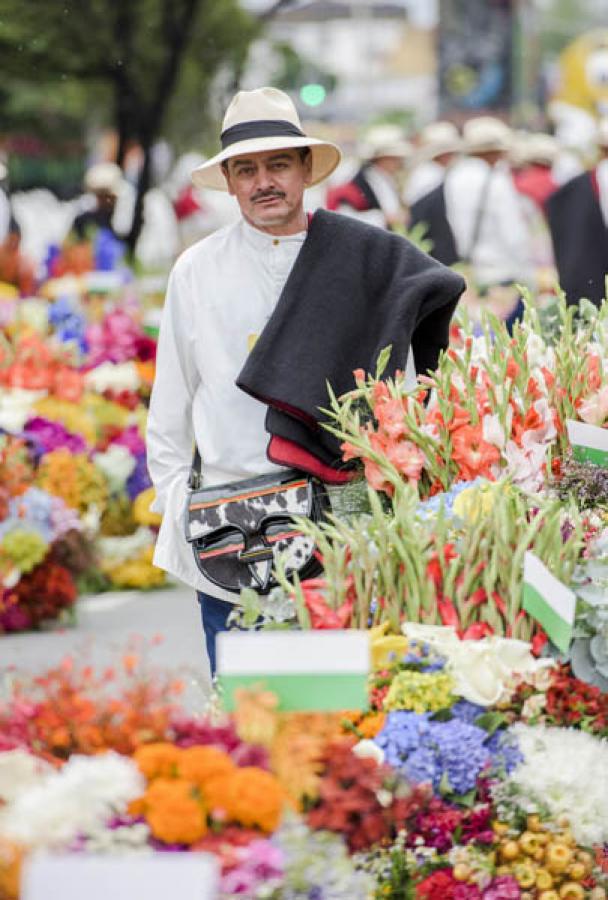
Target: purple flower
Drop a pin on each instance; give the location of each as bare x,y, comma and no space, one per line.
53,436
132,440
139,480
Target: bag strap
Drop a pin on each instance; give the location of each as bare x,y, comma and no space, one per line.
479,214
195,479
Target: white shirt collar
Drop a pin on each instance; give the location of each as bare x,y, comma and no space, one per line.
261,240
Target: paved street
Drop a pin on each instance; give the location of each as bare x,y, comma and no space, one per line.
105,624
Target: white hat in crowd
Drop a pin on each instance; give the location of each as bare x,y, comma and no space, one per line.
385,140
105,176
486,133
541,148
259,121
438,138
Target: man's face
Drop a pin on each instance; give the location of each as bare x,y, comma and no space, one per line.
106,200
269,188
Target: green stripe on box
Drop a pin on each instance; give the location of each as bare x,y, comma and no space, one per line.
317,693
558,630
590,454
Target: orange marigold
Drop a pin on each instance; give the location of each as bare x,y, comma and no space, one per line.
11,859
157,760
253,797
174,811
203,764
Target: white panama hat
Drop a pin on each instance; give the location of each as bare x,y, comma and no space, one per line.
438,138
385,140
485,133
259,121
105,176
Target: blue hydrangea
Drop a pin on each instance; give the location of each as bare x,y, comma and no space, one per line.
461,754
467,712
505,751
450,755
402,734
429,508
33,510
69,323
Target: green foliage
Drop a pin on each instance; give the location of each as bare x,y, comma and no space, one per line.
101,63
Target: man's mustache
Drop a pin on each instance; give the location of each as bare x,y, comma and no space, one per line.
263,195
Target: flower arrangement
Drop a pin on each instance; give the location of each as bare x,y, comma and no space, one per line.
398,566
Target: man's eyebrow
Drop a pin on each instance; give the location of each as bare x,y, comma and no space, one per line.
241,162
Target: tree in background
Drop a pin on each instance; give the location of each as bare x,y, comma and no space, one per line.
121,62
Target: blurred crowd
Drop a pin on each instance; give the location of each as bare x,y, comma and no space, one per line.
511,207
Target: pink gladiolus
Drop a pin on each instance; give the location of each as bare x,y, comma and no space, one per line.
594,409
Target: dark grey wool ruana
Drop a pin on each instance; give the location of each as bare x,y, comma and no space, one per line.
353,290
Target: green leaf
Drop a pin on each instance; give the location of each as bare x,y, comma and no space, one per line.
383,359
491,721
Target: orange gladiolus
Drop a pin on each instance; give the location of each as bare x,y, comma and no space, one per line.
472,454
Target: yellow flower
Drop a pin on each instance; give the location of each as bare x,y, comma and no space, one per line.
135,573
474,503
386,650
141,509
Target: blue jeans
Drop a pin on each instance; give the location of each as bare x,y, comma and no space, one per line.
214,614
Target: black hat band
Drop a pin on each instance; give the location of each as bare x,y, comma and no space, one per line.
259,128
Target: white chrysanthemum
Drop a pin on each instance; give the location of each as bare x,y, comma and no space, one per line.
116,463
567,771
113,376
118,549
84,794
19,771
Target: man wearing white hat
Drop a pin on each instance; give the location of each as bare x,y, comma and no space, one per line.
578,220
261,314
373,194
105,183
437,147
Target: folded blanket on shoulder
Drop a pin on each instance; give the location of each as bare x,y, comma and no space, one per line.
353,290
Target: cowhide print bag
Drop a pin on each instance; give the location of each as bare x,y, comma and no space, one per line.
237,529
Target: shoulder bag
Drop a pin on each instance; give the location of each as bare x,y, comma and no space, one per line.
236,530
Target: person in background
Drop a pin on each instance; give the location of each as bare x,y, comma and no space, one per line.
578,221
437,147
15,267
5,206
105,184
533,176
373,194
485,214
